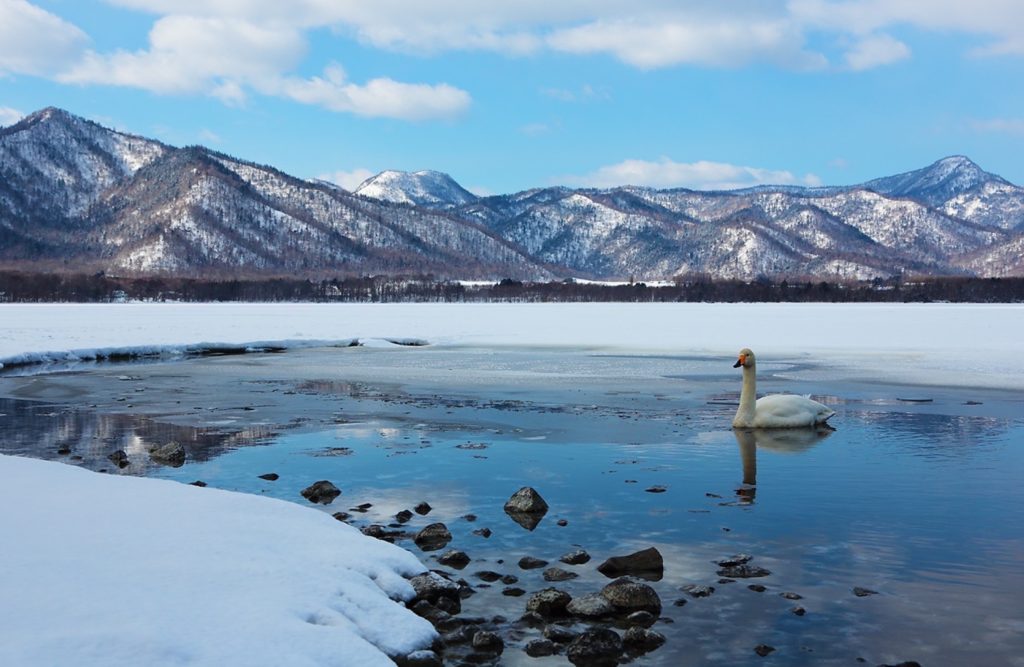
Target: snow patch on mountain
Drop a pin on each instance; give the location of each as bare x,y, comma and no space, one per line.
420,188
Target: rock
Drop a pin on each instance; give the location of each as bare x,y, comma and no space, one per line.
863,592
428,611
423,658
757,588
726,580
791,596
433,537
745,571
172,454
488,575
538,648
322,492
763,649
681,602
469,517
403,516
738,559
488,642
198,482
799,611
513,592
593,605
647,563
531,563
595,647
483,532
532,619
509,579
908,663
642,618
527,501
629,595
558,574
431,586
64,450
461,635
578,557
342,516
558,634
119,458
270,476
562,522
381,533
454,558
642,639
423,509
549,602
657,488
697,590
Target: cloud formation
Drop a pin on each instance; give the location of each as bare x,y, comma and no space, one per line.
702,175
34,41
9,116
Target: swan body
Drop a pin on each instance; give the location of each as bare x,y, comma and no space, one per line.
775,410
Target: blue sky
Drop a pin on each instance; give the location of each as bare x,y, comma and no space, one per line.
506,96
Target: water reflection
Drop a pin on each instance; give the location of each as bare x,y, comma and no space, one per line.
783,440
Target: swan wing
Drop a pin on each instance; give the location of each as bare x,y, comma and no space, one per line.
789,411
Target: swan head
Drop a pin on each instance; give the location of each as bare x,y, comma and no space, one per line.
746,359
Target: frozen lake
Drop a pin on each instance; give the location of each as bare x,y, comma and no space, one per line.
915,496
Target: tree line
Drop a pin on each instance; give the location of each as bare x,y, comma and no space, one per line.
32,287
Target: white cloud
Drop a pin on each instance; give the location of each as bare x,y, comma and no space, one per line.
876,50
350,180
34,41
9,116
209,136
702,175
1010,126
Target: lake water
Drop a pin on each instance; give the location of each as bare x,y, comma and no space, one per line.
916,495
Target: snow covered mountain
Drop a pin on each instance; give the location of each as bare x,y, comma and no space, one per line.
421,188
78,195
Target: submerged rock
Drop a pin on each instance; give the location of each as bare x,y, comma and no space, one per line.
697,590
559,634
403,516
763,649
595,647
538,648
558,574
593,605
578,557
646,563
432,587
172,454
423,508
629,595
454,558
270,476
531,563
863,592
744,571
738,559
119,458
549,602
322,492
642,640
433,537
488,642
424,658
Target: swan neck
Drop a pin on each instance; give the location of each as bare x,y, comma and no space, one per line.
748,398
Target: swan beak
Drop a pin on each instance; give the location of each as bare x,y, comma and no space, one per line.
739,362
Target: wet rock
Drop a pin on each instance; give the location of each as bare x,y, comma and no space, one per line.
436,616
799,611
342,516
681,602
763,649
531,563
509,579
538,648
422,658
525,520
657,488
559,634
697,590
908,663
642,618
119,458
757,588
454,558
403,516
483,532
172,454
513,592
532,619
646,563
745,571
460,635
791,596
381,533
732,561
270,476
629,595
423,509
593,605
199,483
469,517
488,575
863,592
578,557
433,537
558,574
486,641
431,586
64,450
527,501
562,522
549,602
322,492
642,640
725,580
595,647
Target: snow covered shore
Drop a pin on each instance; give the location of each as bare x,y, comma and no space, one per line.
916,343
109,570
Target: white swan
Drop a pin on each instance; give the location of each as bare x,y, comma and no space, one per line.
776,410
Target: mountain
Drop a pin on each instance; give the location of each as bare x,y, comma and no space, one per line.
76,195
421,188
83,196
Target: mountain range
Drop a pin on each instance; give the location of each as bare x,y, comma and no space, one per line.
75,195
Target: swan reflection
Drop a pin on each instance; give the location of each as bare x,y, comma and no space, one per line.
782,440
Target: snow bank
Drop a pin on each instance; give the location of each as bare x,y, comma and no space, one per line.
111,570
927,343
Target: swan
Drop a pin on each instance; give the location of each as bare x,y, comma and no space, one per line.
775,410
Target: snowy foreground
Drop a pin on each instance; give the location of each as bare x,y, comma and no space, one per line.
960,344
109,570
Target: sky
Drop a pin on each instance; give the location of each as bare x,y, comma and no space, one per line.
506,96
